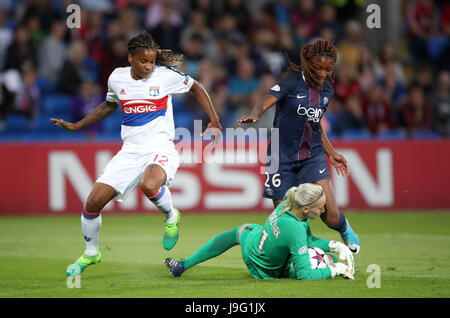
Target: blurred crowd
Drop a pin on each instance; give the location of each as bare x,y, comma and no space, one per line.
237,49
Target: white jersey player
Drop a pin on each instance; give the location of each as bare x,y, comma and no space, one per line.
148,157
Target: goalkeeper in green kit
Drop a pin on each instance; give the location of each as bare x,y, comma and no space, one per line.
279,249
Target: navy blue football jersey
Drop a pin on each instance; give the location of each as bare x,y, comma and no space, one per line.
298,112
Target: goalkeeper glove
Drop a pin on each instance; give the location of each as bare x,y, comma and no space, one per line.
344,254
340,269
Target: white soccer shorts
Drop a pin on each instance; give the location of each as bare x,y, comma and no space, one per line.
125,170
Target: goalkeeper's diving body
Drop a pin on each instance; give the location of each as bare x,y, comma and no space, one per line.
279,248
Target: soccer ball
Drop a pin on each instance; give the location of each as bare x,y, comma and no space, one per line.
318,258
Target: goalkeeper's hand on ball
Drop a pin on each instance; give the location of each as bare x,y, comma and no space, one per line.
344,254
340,269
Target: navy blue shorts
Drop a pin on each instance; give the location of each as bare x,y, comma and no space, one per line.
293,174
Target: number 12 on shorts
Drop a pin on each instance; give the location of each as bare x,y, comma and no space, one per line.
161,159
276,181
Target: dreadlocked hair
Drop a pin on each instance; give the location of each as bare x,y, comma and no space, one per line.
308,67
145,41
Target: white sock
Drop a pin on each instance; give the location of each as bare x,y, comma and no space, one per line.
163,201
90,230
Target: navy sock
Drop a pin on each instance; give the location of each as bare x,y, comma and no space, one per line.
342,226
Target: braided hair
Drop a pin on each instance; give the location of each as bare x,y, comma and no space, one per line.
308,67
145,41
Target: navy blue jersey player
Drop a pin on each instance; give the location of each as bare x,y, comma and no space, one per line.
301,99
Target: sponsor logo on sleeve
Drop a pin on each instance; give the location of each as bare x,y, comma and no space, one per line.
303,250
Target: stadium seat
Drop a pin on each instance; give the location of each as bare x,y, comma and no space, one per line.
42,124
35,137
394,134
183,120
331,135
45,85
425,134
117,115
356,134
8,136
70,136
16,124
436,45
112,123
179,104
109,137
57,106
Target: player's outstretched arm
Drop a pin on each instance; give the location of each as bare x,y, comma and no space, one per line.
259,109
336,159
99,113
214,128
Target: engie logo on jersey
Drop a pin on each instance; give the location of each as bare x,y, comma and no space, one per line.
313,113
154,90
138,106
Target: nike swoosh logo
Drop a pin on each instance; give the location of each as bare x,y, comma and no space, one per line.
298,96
322,171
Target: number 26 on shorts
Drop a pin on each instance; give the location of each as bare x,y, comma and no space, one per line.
276,181
161,159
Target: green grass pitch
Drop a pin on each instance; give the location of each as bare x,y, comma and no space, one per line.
411,249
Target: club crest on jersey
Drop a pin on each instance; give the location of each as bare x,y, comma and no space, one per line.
276,88
154,90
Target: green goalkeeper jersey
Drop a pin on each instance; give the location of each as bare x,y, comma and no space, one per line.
280,247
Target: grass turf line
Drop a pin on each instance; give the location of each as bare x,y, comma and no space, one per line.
410,248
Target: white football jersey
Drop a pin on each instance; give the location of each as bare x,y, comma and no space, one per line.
146,105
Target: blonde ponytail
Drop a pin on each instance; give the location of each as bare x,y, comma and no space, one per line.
305,194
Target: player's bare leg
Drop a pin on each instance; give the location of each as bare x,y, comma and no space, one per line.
99,196
331,216
152,184
91,221
335,219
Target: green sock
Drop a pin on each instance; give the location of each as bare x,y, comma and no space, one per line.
214,247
